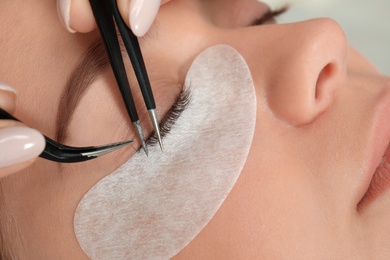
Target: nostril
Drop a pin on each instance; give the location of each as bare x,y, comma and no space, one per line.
326,73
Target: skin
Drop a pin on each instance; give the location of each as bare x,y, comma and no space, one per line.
298,194
82,19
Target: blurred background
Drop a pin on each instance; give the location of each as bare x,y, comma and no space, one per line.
365,22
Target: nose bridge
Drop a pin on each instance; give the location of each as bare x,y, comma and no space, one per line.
306,63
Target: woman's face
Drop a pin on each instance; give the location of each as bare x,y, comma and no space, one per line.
322,129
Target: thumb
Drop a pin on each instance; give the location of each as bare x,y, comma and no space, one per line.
76,15
19,144
139,15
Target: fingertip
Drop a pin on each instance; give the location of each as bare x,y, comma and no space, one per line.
76,16
81,16
124,8
7,98
18,146
142,15
63,9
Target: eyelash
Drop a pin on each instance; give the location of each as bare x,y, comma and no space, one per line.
171,116
269,16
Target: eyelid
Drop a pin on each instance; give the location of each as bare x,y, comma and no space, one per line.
270,15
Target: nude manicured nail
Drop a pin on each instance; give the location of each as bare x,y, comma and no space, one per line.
142,15
63,7
19,144
7,88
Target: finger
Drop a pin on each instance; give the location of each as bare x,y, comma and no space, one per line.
139,15
7,98
19,145
76,15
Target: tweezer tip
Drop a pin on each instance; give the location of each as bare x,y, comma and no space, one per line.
157,130
145,147
153,118
138,127
160,141
103,150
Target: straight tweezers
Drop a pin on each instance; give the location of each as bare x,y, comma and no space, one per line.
106,12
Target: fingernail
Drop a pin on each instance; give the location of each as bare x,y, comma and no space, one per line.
7,88
19,144
63,8
142,15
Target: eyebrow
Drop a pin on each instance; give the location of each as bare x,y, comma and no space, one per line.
85,73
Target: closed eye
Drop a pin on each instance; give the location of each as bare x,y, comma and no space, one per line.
269,17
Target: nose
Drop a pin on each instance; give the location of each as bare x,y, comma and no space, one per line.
305,67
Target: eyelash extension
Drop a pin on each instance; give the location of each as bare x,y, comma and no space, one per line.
270,15
171,116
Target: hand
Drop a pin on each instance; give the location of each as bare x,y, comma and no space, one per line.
19,144
139,15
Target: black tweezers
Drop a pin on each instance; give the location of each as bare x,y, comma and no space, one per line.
107,15
57,152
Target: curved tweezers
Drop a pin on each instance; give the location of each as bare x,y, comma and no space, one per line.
57,152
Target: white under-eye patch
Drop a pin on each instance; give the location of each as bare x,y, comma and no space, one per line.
152,207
